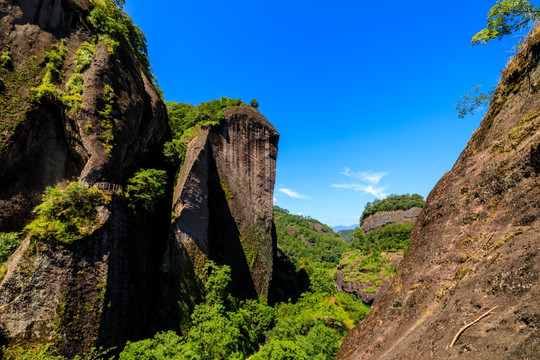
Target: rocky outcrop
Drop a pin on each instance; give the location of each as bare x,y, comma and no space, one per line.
349,278
98,290
42,140
386,218
475,246
223,205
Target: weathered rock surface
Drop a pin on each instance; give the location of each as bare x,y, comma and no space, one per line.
223,204
347,281
475,245
382,219
42,143
97,291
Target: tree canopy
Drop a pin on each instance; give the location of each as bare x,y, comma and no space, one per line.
506,17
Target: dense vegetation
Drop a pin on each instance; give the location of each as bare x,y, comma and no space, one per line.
373,267
307,241
185,120
346,235
68,213
392,203
393,237
113,25
226,328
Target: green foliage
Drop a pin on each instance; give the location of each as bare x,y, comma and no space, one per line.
9,242
473,101
281,350
393,237
47,91
54,58
185,116
300,240
47,352
347,235
175,151
147,187
254,103
392,203
222,327
112,23
321,282
106,120
506,17
74,88
83,56
5,59
185,119
315,325
163,346
68,213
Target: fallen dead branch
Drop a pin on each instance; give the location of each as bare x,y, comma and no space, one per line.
471,324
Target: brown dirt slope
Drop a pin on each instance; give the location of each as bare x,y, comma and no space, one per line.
475,245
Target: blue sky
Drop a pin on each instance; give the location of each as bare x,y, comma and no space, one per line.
361,92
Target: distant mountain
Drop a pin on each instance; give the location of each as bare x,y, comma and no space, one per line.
344,227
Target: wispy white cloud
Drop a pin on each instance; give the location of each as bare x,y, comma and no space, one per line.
365,176
275,199
292,193
368,189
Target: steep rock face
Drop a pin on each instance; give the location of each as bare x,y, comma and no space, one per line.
42,141
382,219
96,291
475,246
223,204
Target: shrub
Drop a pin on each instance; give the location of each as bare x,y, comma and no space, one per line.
183,117
175,151
105,112
112,23
83,56
146,187
54,58
9,242
254,103
5,59
68,213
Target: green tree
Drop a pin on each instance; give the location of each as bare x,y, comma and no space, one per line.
254,103
9,242
468,103
146,187
506,17
321,282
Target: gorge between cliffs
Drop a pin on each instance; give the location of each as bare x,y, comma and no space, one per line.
137,228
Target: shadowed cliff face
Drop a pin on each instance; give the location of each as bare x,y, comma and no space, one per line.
475,245
223,205
97,291
44,141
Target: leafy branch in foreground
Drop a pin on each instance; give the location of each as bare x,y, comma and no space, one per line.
506,17
475,100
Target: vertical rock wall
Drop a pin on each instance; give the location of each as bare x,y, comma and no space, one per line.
476,245
223,203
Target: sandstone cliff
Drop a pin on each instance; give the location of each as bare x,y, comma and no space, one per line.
386,218
222,205
102,130
96,291
475,246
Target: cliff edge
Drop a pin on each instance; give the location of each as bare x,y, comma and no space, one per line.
475,247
